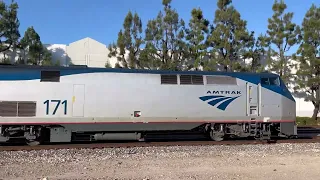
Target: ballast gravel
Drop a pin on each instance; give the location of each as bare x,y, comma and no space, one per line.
263,162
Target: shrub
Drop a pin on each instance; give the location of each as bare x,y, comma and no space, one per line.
306,121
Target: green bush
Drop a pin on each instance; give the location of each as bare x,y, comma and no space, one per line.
306,121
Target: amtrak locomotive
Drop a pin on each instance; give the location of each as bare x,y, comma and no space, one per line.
64,104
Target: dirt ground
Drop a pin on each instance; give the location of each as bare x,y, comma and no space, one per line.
186,164
284,168
297,167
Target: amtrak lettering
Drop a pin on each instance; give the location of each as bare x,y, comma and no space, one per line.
224,92
220,97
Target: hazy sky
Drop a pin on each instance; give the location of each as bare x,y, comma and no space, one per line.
65,21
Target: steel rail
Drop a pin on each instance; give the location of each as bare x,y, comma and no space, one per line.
153,144
305,135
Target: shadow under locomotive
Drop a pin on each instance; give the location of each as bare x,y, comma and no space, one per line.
183,136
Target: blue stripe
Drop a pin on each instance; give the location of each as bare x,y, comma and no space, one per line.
205,98
224,105
32,73
16,73
216,101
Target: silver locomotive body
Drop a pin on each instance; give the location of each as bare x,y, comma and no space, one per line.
63,104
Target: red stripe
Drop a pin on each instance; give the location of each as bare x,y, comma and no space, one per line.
158,122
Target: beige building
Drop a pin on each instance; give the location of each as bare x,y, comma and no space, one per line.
92,53
85,51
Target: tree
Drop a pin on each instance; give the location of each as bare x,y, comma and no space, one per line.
46,57
282,33
108,65
308,72
255,52
129,41
196,36
229,37
9,25
32,46
165,46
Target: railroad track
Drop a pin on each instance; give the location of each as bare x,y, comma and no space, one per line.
309,131
153,144
306,134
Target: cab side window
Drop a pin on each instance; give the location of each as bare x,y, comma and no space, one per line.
274,81
271,81
264,81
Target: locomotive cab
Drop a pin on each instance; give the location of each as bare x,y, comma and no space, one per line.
276,100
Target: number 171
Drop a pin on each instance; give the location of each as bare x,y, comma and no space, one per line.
58,102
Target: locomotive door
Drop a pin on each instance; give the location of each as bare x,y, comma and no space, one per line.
78,100
253,99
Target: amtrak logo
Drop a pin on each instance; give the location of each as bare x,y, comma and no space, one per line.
220,97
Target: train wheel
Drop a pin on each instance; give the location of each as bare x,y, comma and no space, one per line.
33,142
39,134
216,135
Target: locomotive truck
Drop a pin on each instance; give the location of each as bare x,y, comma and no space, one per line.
65,104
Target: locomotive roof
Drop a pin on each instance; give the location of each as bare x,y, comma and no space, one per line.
31,72
84,69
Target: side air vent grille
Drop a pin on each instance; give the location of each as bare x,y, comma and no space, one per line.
224,80
50,76
8,108
169,79
26,109
17,109
191,79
